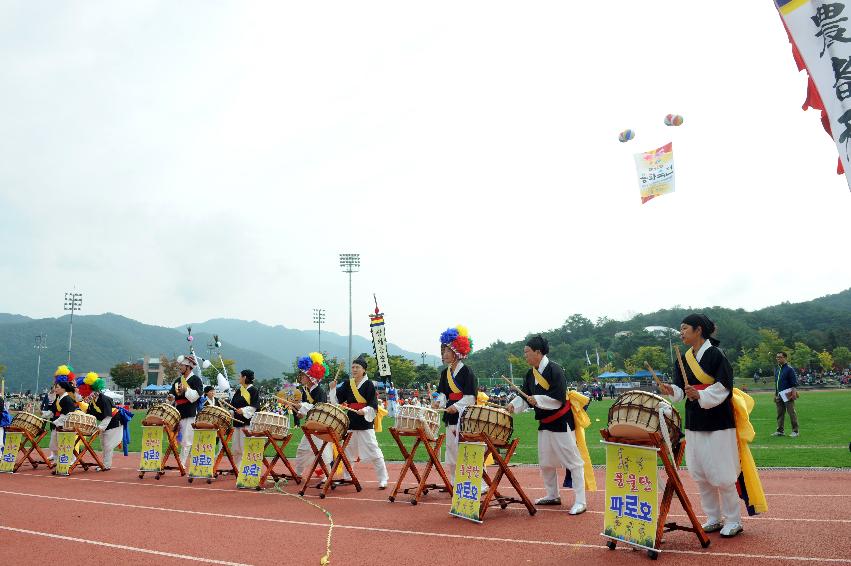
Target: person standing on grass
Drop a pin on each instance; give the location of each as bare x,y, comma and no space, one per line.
785,382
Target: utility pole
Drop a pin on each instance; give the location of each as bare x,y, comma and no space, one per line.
350,264
318,319
73,302
40,344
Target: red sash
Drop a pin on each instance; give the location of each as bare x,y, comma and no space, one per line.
357,406
558,414
700,387
455,396
181,401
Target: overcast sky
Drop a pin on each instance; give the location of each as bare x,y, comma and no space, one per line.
181,161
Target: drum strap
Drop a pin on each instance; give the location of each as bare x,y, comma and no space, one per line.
361,400
540,379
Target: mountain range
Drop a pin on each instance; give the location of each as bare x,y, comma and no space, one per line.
101,341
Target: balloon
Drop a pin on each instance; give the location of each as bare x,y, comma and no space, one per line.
625,136
206,363
673,120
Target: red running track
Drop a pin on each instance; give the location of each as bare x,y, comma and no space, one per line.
106,518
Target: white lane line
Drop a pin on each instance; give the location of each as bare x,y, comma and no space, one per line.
422,533
400,500
122,547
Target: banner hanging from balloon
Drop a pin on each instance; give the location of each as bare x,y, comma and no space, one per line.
821,44
655,172
379,342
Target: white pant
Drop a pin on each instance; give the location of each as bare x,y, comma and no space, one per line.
304,455
237,445
364,445
109,439
187,433
556,451
391,408
713,462
451,454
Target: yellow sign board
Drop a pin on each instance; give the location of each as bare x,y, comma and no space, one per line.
152,449
203,455
65,453
631,504
466,496
9,451
251,465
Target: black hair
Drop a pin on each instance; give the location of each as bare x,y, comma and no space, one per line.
208,389
248,375
782,354
539,343
67,386
707,327
361,362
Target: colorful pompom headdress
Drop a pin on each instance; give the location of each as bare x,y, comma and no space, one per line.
458,340
64,373
92,382
313,365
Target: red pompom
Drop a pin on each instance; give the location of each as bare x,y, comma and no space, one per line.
85,390
462,345
316,371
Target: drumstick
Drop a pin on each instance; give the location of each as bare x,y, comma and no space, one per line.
680,362
653,373
517,389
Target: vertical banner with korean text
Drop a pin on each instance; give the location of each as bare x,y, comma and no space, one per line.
468,481
151,452
379,343
821,38
65,453
202,456
250,466
631,504
9,451
655,172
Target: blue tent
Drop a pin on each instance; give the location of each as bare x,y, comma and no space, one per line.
153,387
613,375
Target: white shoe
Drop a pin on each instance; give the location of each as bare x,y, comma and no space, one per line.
548,501
794,435
777,433
382,485
731,530
712,526
577,509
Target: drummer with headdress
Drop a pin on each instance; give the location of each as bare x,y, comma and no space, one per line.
546,389
457,387
311,370
63,405
187,389
717,429
360,396
246,402
105,411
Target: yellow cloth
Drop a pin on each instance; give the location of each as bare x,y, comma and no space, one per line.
85,406
540,379
581,421
380,414
481,399
309,397
245,394
358,397
451,381
742,406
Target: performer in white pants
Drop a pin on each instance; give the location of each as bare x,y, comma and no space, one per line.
105,411
361,397
246,402
456,390
187,389
546,388
311,394
60,409
710,426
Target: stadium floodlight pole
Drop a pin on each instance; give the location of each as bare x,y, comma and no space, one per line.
423,356
40,344
318,319
73,302
350,264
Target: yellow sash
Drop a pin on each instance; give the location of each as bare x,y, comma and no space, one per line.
451,381
581,421
58,407
742,406
540,379
245,394
309,397
380,414
358,397
96,408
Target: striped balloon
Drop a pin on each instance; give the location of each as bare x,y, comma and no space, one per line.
625,136
673,120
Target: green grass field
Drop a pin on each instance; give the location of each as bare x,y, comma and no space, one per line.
824,419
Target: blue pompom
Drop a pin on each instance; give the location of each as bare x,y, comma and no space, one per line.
80,381
61,378
304,363
449,335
